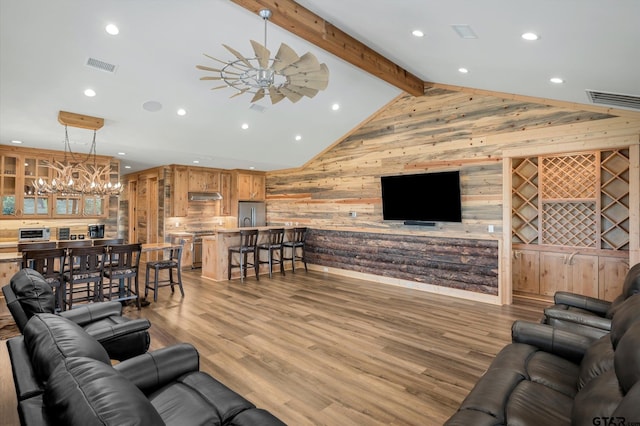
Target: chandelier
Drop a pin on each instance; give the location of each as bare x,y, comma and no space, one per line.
285,76
79,175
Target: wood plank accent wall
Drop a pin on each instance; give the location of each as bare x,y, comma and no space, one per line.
443,130
460,263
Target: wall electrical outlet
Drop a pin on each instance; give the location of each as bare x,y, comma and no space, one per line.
353,214
490,228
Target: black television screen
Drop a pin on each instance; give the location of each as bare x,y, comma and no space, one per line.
428,197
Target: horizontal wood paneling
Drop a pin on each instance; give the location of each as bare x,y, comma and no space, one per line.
450,262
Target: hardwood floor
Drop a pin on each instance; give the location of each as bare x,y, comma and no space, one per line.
319,349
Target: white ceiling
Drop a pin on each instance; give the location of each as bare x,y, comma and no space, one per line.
44,45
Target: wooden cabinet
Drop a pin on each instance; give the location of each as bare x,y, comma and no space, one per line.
203,180
180,191
574,211
250,186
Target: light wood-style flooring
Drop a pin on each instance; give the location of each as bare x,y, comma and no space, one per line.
320,349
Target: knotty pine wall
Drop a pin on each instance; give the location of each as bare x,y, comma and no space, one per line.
443,130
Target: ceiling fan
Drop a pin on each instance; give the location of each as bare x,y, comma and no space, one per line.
287,75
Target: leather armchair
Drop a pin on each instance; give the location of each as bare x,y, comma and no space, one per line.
587,315
28,293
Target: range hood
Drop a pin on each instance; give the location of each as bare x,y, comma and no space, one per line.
204,196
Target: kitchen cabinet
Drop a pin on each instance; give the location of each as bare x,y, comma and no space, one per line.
526,271
203,180
225,190
250,186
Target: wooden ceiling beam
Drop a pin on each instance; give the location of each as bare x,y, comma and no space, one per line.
314,29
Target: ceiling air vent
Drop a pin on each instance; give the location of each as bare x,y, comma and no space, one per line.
101,65
614,99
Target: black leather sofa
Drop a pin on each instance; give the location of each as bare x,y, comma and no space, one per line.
63,376
587,315
29,293
549,376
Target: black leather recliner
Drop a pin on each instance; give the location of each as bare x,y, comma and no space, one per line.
549,376
587,315
64,376
28,293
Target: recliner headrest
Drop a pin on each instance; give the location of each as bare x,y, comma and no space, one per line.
626,314
50,339
33,292
631,284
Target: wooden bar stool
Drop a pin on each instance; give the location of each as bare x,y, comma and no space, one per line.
273,244
172,263
296,242
248,245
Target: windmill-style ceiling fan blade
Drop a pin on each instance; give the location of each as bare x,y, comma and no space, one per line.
285,57
203,68
312,84
219,87
238,55
306,91
290,94
215,59
259,95
210,78
308,62
275,95
316,79
262,53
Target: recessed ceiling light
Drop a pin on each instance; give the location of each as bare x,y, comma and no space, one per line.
17,142
244,126
335,107
556,80
252,168
112,29
417,33
90,93
298,137
127,167
530,36
182,111
463,70
196,162
122,153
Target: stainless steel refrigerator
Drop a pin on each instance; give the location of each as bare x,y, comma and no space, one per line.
251,214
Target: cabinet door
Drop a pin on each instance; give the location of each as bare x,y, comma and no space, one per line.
196,180
8,185
225,190
180,191
526,271
553,273
258,188
244,186
583,274
613,271
34,204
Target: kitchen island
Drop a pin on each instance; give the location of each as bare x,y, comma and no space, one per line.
215,252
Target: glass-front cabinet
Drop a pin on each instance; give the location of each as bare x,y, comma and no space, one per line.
19,199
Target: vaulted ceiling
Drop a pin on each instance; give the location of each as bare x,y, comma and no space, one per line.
367,45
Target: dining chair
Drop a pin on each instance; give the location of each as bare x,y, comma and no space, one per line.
120,270
171,264
248,245
85,268
296,248
273,244
49,263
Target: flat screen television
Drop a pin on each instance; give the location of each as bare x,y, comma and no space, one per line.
421,199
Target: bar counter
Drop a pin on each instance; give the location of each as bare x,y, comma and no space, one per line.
215,252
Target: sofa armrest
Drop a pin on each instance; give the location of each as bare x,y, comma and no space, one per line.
116,331
18,314
578,318
592,304
563,343
91,312
155,369
24,378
